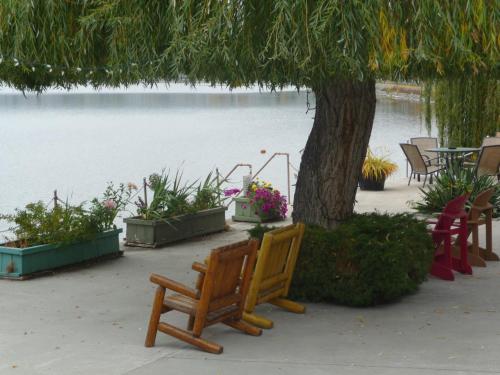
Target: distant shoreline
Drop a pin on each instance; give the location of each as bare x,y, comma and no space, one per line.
402,91
390,89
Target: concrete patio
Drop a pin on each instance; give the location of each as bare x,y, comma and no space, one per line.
93,321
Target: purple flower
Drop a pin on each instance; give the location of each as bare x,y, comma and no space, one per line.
231,192
268,202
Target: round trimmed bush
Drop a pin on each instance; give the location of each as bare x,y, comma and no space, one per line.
367,260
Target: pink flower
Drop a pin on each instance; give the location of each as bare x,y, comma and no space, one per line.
230,192
110,204
268,202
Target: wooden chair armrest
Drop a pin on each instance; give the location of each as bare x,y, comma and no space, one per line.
199,267
173,285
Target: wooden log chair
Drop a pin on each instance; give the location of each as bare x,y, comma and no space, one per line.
273,273
480,213
442,235
224,285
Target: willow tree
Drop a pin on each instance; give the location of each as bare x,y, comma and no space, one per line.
467,109
337,48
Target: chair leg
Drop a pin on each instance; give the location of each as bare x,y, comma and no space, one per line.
155,317
442,263
425,180
240,325
474,259
488,254
461,264
475,240
289,305
186,336
441,271
190,324
257,320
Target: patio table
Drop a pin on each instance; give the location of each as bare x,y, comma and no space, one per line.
452,154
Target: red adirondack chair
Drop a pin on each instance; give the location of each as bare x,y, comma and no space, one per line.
444,263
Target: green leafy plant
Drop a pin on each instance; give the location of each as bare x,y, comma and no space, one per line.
38,224
173,197
377,168
259,230
450,184
102,212
367,260
207,194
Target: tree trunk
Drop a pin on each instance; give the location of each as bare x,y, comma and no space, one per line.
334,153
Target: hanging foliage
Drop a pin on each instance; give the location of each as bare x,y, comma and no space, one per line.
466,109
243,42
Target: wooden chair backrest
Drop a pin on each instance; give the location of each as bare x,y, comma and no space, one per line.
228,275
489,161
480,204
414,157
275,264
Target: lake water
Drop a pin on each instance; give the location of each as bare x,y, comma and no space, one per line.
77,141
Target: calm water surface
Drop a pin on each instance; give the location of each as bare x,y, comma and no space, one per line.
76,142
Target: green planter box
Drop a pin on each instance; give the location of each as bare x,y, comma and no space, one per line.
155,233
22,263
244,211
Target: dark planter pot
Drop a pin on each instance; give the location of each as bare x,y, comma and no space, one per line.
369,184
244,211
23,263
155,233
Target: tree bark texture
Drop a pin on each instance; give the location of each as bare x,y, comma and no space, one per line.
333,157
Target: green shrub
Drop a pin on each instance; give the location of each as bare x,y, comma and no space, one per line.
259,230
454,182
369,259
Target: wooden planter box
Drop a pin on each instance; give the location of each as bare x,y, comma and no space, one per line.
155,233
22,263
244,211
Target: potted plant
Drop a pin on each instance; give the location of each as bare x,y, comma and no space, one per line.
50,237
259,203
177,211
375,171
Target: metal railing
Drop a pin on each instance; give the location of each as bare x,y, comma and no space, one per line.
253,176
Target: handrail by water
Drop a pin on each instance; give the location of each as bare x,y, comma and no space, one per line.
288,164
287,171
